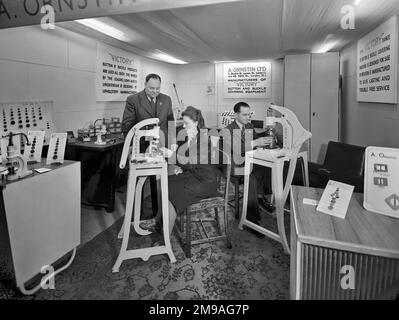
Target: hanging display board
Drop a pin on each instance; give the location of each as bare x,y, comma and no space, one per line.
249,80
117,74
377,66
27,116
381,181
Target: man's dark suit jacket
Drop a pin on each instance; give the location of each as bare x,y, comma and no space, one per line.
239,144
138,108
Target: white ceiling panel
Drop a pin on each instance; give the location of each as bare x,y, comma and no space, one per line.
245,30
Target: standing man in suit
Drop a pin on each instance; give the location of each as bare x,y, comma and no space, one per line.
147,104
243,138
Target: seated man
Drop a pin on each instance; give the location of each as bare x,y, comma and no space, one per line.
243,139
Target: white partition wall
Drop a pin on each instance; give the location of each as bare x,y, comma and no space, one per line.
297,87
311,90
324,104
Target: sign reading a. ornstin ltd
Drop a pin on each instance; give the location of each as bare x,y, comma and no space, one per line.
14,13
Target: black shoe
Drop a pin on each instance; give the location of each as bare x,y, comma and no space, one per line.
267,207
254,232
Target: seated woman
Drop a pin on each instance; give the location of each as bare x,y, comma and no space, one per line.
193,178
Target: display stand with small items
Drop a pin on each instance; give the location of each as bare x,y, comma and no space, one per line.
56,150
33,152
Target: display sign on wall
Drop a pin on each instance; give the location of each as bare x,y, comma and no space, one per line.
117,74
14,13
377,69
251,80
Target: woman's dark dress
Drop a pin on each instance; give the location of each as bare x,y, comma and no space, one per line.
198,181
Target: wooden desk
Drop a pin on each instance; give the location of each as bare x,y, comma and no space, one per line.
40,220
99,170
322,244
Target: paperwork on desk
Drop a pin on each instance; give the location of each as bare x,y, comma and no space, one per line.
335,199
310,202
42,170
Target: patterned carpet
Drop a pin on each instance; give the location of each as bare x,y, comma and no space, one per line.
253,269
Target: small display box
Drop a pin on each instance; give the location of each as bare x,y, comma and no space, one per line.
115,126
84,134
112,125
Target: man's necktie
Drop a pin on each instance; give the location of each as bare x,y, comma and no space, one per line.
154,106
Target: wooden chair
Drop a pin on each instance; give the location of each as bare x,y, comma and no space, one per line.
218,205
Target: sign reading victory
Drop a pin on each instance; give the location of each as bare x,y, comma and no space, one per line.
117,74
377,67
247,80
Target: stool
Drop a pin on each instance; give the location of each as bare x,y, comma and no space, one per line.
218,205
139,173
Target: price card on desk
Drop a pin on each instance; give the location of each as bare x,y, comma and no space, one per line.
335,199
381,181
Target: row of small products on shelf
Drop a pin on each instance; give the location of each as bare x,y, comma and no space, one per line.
112,125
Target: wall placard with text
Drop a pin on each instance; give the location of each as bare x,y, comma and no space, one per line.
377,68
117,74
249,80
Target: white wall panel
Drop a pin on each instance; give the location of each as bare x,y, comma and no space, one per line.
13,81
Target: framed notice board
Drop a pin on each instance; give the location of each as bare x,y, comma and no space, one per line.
377,64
